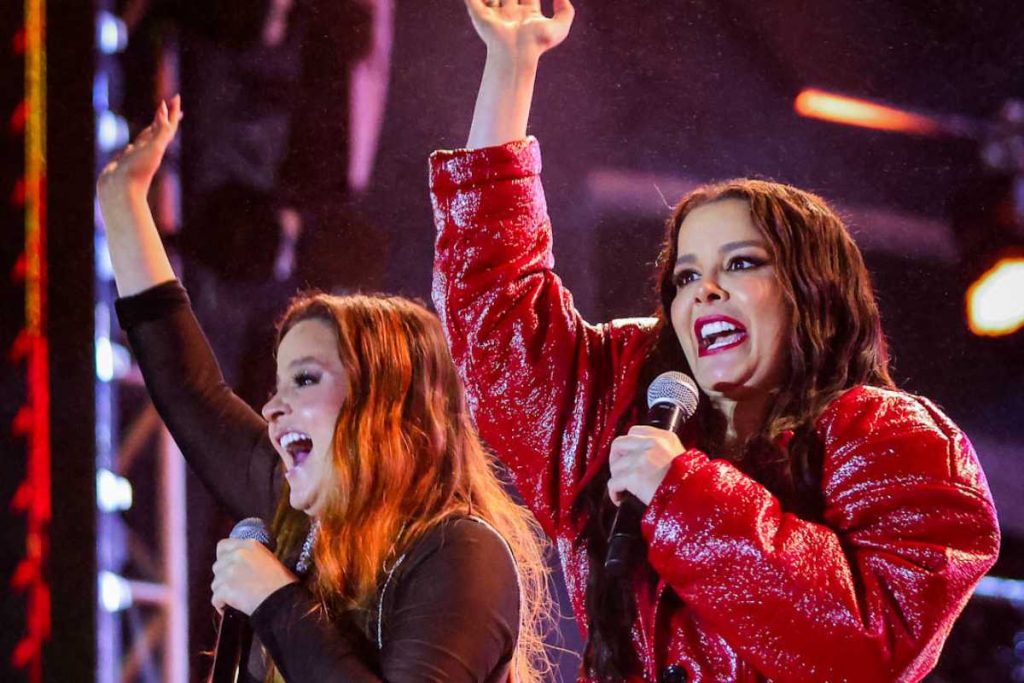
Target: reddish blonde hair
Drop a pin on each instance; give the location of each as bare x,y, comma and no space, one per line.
405,457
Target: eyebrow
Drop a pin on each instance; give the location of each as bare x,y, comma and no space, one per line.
724,249
304,360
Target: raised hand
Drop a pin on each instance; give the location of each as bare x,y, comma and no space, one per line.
516,33
136,252
518,28
134,168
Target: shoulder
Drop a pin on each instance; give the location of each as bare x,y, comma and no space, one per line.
463,543
866,409
632,337
896,429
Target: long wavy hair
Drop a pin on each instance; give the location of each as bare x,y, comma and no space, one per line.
835,343
405,457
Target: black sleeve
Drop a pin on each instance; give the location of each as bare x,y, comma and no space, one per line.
451,615
222,438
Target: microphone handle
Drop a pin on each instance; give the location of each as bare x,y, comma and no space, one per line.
625,532
231,637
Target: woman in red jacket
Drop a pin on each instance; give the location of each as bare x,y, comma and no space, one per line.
813,523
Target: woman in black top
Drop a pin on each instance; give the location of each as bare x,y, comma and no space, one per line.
417,566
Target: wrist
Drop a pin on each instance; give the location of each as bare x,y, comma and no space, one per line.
121,193
511,66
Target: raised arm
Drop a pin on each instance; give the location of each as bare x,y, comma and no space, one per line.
136,252
516,35
545,386
223,439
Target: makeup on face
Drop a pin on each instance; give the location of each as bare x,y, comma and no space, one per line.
312,386
729,312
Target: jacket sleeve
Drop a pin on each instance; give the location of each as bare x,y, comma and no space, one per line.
524,352
868,596
222,438
454,616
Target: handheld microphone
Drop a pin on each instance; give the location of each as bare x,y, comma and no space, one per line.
234,635
671,401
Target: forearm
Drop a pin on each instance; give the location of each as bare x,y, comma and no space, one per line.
368,95
136,252
503,103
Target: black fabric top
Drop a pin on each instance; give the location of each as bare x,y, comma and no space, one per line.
451,609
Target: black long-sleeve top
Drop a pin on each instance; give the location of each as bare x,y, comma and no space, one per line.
451,607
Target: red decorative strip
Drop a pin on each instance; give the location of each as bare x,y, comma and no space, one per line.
31,347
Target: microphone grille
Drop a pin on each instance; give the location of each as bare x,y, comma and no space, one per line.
676,388
252,528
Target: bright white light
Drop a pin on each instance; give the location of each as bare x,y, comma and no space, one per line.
113,493
104,359
995,302
111,33
111,131
115,593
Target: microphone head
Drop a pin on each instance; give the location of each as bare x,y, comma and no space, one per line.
252,528
675,388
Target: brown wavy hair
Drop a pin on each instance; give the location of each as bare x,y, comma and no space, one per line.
405,457
836,343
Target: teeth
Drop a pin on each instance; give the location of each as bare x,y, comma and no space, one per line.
291,437
724,340
716,327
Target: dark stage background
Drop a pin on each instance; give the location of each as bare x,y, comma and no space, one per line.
642,102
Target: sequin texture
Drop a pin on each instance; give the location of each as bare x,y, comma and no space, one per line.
743,591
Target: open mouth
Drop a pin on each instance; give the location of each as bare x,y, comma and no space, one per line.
298,445
718,333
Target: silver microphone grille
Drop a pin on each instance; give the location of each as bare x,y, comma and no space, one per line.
676,388
252,528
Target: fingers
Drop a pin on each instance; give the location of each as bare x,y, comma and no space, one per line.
564,11
616,491
227,546
478,7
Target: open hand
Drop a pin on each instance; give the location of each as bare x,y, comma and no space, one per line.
133,169
518,28
639,462
245,574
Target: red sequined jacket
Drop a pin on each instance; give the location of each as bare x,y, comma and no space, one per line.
744,591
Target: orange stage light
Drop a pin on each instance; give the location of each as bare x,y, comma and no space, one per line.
818,104
995,302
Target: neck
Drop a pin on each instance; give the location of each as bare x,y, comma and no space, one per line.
742,417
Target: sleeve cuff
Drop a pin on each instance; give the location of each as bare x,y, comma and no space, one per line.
152,304
675,479
279,602
451,169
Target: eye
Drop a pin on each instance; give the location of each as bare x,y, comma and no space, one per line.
684,277
744,262
305,379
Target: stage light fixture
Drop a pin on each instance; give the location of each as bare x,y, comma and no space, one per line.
995,301
113,492
826,106
111,131
111,33
115,592
987,215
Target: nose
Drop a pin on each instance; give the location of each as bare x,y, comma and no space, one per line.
708,291
274,408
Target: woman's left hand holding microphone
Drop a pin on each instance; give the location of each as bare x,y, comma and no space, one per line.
639,462
245,574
